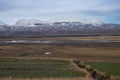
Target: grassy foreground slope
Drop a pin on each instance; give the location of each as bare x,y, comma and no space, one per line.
111,67
37,68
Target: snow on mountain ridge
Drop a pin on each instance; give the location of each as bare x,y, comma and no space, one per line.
32,22
82,20
28,22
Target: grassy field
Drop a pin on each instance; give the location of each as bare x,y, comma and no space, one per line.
111,67
81,78
33,68
34,63
84,53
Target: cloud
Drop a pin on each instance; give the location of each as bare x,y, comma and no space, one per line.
101,12
12,10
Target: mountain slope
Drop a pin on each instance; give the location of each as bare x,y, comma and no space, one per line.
38,28
1,23
3,26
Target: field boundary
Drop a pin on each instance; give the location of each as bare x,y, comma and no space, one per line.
94,73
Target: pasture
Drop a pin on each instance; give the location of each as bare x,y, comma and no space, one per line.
37,68
108,67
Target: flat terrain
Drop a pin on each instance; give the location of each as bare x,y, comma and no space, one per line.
111,67
103,55
67,38
37,68
85,53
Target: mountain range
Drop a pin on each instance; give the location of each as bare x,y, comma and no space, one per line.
74,27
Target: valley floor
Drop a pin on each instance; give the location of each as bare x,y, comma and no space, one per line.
86,52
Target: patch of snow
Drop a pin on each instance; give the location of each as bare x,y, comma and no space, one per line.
13,41
32,22
47,53
93,21
28,22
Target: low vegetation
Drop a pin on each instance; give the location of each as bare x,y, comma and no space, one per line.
35,64
95,73
33,68
111,67
84,53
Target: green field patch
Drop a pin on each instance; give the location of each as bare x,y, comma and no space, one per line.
30,68
108,67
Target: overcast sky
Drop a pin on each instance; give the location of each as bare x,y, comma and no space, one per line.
105,10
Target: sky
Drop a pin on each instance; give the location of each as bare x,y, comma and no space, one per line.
105,10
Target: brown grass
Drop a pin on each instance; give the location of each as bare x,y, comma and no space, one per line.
84,53
68,38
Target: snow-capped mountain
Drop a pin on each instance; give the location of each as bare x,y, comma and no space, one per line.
73,27
32,22
28,22
3,26
82,21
